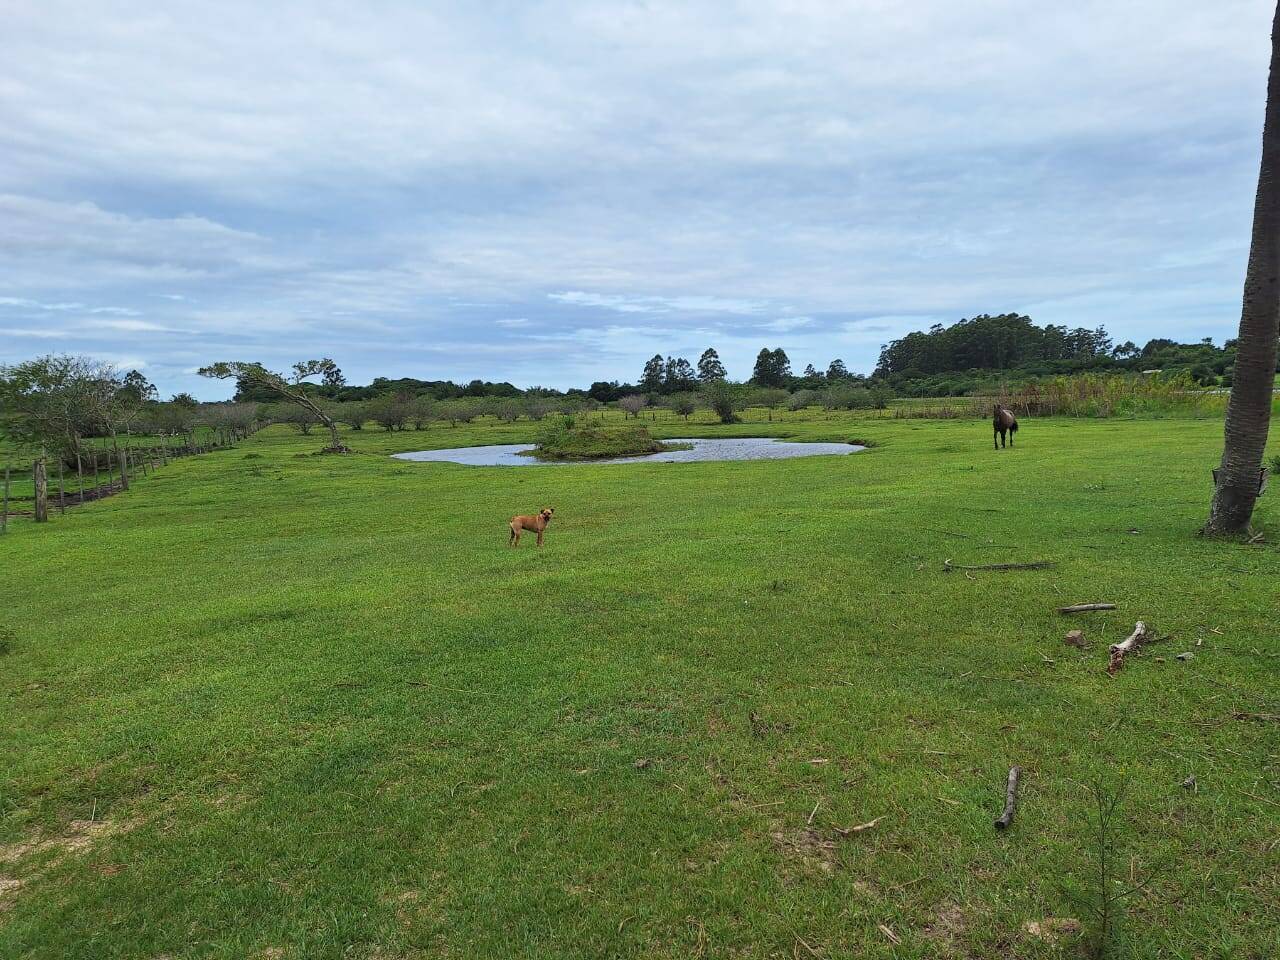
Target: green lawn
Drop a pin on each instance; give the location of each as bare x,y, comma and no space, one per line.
314,707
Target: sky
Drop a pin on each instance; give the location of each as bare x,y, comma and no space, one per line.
550,193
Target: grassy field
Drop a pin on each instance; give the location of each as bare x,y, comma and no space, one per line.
269,704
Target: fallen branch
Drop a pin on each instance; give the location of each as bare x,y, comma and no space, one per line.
1086,607
849,831
1127,646
948,566
1260,717
1010,799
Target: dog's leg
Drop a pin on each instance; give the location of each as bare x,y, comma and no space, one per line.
540,536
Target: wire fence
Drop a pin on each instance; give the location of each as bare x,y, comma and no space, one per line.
37,488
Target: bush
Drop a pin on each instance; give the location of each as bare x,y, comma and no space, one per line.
802,399
300,418
421,412
633,404
725,400
390,411
539,409
353,414
561,440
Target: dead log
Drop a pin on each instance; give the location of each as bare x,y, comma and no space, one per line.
1086,607
1010,799
1127,646
948,566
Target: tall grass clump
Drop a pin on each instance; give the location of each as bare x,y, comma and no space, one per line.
1094,395
1102,395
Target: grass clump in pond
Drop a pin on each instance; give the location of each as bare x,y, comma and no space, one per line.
565,440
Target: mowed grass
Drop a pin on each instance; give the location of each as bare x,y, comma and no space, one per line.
325,712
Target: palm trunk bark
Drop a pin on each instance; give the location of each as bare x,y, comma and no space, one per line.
1249,409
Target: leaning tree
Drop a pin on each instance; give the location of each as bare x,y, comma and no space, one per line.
1249,409
289,389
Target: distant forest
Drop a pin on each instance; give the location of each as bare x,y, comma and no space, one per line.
972,355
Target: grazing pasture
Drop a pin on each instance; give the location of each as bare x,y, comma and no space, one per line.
273,704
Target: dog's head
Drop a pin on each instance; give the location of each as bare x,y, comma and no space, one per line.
546,512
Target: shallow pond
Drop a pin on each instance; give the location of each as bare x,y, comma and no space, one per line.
733,448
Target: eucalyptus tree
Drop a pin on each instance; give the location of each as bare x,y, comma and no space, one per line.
710,369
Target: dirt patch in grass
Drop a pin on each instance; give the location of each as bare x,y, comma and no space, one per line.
948,923
9,888
79,836
1053,929
808,850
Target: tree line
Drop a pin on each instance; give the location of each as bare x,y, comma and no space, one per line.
976,353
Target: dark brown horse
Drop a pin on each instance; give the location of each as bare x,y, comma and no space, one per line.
1004,423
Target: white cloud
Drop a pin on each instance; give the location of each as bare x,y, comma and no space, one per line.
129,326
37,305
36,334
786,324
625,178
689,303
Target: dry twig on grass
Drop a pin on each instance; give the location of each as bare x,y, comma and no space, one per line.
948,566
1086,607
1010,799
859,828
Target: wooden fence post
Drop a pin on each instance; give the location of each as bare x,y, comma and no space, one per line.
62,494
41,481
4,513
124,468
80,477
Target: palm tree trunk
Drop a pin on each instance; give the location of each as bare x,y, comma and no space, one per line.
1249,409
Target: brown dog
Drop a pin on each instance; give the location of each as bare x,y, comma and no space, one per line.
537,523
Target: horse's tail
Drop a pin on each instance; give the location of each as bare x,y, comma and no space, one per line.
1013,427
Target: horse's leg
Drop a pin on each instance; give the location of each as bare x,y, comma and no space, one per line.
1011,433
995,432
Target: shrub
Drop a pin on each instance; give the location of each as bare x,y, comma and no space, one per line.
682,404
538,409
389,411
802,399
300,418
508,411
462,410
421,412
353,414
725,400
560,440
633,404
